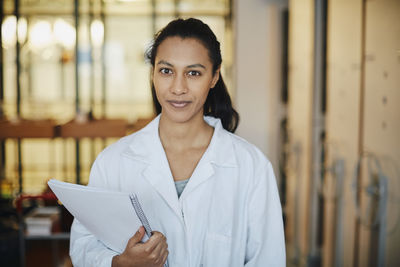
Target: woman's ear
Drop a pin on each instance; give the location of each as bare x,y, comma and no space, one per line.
215,77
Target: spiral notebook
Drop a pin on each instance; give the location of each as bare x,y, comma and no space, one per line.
113,217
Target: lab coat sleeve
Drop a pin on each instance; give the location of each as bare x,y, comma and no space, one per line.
265,235
85,249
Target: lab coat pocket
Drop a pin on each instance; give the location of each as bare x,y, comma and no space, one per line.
217,250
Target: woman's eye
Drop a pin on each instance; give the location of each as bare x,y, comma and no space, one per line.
165,71
194,73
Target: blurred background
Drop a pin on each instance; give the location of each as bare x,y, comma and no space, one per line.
316,83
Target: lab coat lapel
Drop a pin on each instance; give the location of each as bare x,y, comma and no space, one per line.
163,183
219,153
201,174
148,149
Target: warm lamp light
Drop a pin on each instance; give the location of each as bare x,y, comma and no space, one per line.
97,32
8,31
22,30
64,33
40,35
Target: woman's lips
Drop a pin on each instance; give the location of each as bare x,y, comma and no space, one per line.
179,104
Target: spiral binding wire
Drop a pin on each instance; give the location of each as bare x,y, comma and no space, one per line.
142,217
140,214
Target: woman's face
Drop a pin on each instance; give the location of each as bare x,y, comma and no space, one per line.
182,77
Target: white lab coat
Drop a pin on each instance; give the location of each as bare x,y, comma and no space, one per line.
229,214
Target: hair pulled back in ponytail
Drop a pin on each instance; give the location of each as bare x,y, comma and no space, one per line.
218,103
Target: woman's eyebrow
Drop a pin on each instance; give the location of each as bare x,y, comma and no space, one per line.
198,65
164,63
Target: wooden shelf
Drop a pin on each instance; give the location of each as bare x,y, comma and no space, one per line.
27,129
94,128
102,128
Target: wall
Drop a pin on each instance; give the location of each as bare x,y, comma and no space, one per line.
362,127
381,124
257,67
301,58
344,74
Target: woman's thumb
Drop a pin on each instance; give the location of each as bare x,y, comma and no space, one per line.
137,237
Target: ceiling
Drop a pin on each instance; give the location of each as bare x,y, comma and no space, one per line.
119,7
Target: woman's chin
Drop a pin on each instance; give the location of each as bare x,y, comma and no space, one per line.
180,116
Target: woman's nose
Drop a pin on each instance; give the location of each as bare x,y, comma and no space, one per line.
179,85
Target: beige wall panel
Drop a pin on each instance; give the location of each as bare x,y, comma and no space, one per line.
299,121
251,66
275,109
382,110
342,118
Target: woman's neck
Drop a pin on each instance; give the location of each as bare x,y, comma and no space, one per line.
181,136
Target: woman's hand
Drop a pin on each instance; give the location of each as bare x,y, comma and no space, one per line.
152,253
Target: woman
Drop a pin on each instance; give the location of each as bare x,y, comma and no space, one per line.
213,195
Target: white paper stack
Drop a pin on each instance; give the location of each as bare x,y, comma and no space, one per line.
108,215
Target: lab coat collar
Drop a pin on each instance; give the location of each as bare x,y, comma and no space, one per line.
146,147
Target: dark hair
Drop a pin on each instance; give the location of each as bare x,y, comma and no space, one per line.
218,103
